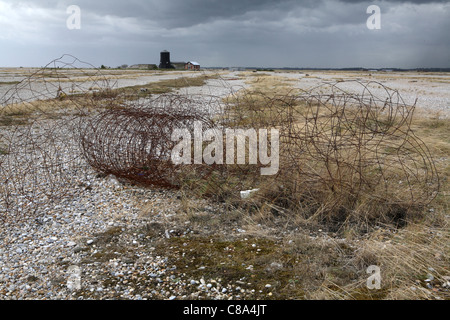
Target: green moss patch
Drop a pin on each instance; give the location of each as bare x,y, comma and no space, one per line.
260,267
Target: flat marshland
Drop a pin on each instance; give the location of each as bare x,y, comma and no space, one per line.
309,232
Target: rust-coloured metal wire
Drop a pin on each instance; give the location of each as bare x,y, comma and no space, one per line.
334,143
134,142
40,160
339,146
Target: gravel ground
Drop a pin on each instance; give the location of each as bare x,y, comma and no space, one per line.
92,234
98,226
98,233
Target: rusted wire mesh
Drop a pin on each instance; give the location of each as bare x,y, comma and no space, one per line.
134,142
40,159
342,149
68,118
338,147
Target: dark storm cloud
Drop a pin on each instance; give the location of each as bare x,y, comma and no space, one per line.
326,33
182,13
397,1
176,13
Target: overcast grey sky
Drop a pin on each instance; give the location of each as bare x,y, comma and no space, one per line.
284,33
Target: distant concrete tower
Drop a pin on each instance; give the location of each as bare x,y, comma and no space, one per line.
165,60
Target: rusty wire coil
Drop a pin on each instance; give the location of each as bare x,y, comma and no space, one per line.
134,142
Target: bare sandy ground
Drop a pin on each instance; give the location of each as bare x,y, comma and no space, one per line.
72,82
431,90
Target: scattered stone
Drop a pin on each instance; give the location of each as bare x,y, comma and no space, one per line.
247,193
52,239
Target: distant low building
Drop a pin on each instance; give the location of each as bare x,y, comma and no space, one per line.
192,65
179,65
165,63
143,66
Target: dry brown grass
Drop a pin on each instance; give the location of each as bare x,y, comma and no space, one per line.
413,255
166,86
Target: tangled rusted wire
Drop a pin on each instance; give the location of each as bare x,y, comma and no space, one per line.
340,144
134,141
40,159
